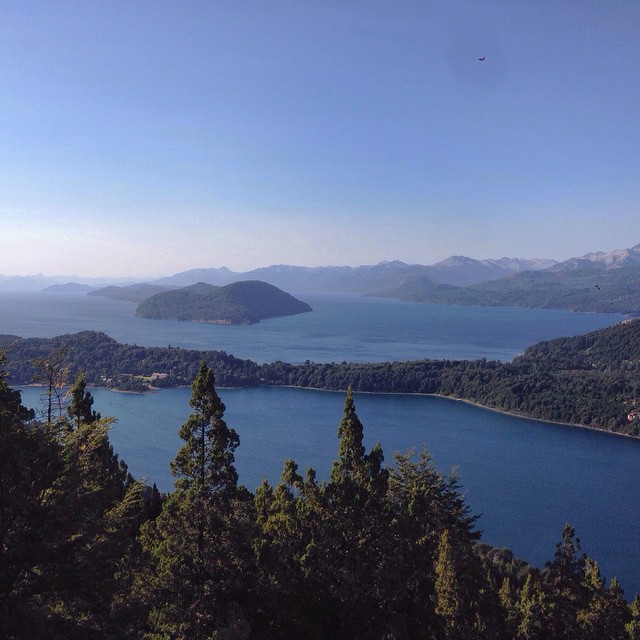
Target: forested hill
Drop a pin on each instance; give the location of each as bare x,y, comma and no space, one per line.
591,380
610,291
245,302
107,363
615,348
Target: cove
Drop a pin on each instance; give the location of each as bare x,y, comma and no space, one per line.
525,478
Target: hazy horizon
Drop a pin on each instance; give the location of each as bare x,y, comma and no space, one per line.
137,278
145,140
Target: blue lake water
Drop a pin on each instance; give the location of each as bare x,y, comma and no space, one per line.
341,327
525,478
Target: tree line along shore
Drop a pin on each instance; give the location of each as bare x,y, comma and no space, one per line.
373,552
592,380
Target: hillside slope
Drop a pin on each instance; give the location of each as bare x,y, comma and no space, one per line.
244,302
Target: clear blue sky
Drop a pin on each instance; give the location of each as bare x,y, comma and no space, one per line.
144,138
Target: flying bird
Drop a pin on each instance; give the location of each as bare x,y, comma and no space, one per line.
597,287
482,59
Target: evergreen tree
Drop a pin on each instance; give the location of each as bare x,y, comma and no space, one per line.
563,586
508,604
533,612
633,626
351,550
29,461
65,525
200,566
447,591
152,502
424,505
351,458
79,408
285,601
606,612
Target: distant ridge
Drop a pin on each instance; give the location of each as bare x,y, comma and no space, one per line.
602,260
456,270
365,279
70,286
130,293
613,290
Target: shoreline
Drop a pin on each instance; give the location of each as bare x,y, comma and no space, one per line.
463,400
512,414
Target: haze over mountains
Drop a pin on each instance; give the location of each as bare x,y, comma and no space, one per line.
458,271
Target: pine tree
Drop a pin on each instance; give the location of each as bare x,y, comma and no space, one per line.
356,535
633,626
563,586
199,546
351,451
205,462
447,591
79,408
283,598
508,604
533,612
65,525
605,613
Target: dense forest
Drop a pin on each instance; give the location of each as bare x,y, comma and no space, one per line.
591,380
373,552
245,302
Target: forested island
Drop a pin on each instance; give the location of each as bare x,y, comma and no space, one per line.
591,380
245,302
374,552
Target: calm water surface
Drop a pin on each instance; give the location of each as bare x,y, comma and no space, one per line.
526,478
341,327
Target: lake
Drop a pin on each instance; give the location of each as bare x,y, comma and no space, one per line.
341,327
525,478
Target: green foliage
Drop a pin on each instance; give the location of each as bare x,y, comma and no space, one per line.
448,605
68,513
533,612
198,551
79,408
107,363
591,380
372,553
237,303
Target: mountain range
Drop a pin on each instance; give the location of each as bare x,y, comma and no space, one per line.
459,271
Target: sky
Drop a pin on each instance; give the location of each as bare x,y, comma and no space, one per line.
151,137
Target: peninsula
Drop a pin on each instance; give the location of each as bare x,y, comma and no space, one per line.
591,380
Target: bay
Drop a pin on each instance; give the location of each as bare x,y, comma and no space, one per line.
525,478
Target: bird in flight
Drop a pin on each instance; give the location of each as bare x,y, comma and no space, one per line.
482,59
597,287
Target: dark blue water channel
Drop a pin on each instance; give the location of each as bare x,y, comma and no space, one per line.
525,478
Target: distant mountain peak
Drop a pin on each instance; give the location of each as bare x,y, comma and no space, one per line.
602,260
